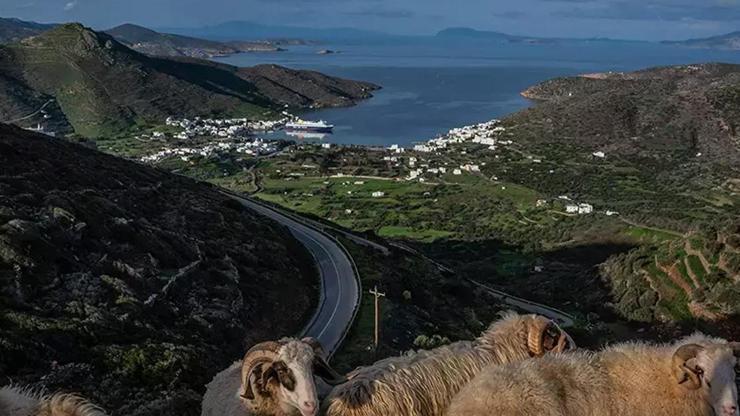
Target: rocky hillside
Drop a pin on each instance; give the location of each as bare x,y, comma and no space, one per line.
151,42
103,88
305,88
131,285
14,30
687,110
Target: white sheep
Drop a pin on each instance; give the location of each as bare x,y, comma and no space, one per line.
692,377
274,378
19,401
424,383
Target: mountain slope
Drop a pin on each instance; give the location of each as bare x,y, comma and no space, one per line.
103,87
131,285
691,109
164,44
656,152
730,41
14,30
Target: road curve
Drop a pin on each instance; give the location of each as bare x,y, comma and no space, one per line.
563,319
340,289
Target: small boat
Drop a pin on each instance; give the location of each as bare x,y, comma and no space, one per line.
313,126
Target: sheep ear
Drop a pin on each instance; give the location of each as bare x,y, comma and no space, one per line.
248,391
322,369
684,366
735,348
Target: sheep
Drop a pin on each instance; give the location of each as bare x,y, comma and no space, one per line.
424,383
692,377
19,401
275,378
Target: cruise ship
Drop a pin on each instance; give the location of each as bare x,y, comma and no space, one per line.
313,126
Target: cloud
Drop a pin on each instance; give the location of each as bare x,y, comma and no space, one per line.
655,10
70,5
383,13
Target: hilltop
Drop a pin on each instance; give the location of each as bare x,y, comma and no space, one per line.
131,285
151,42
729,41
103,87
15,30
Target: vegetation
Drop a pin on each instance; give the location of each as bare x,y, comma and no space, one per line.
119,275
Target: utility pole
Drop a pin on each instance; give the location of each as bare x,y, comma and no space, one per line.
377,295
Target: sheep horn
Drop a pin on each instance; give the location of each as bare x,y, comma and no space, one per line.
681,371
265,352
538,344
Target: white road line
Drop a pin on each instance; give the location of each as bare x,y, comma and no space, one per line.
339,283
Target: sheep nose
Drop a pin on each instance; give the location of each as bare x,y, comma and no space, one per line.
729,410
310,406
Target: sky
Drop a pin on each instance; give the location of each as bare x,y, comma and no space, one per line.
623,19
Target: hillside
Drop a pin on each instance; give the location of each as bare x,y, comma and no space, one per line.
151,42
103,88
657,148
686,110
131,285
14,30
730,41
694,277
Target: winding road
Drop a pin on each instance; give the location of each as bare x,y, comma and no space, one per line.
340,285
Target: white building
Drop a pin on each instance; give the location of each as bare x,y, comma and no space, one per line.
378,194
571,209
599,154
585,208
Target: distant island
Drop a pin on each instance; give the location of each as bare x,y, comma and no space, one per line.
730,41
466,33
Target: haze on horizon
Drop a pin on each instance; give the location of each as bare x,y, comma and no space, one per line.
623,19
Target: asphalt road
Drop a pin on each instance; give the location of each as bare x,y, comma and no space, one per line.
339,283
562,318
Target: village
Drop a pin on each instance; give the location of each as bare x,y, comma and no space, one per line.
469,150
212,137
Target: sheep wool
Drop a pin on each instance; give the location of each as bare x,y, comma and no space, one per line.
631,379
19,401
425,382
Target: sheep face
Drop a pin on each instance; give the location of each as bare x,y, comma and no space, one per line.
711,370
292,376
286,375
